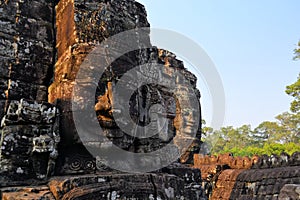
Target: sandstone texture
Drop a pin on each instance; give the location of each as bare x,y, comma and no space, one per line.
81,25
26,50
290,191
42,47
112,186
29,140
265,177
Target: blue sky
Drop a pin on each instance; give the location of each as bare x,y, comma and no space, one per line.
251,44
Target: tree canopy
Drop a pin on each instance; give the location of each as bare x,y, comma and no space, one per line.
297,52
282,135
294,91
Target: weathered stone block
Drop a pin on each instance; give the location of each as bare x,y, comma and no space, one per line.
2,108
295,159
18,90
65,26
75,159
39,10
3,88
30,112
290,191
139,186
26,47
7,47
31,51
30,135
5,62
25,139
69,63
8,11
61,91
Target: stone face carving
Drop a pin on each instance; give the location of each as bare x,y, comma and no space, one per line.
82,25
39,140
29,139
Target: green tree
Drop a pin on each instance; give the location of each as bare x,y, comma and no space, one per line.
290,127
294,91
229,139
215,142
297,52
244,136
266,132
206,130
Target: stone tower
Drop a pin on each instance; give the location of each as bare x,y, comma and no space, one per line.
43,45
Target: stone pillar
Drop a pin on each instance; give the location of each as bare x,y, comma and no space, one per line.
28,137
26,49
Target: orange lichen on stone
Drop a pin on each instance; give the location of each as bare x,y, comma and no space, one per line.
254,159
225,184
225,159
28,193
65,26
208,164
104,104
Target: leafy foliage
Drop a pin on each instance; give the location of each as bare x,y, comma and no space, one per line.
268,138
282,135
297,52
294,91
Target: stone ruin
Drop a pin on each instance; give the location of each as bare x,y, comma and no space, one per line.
42,46
264,177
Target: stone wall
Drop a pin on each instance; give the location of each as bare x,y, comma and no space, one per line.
112,186
29,129
264,183
29,139
290,191
209,164
264,177
26,50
